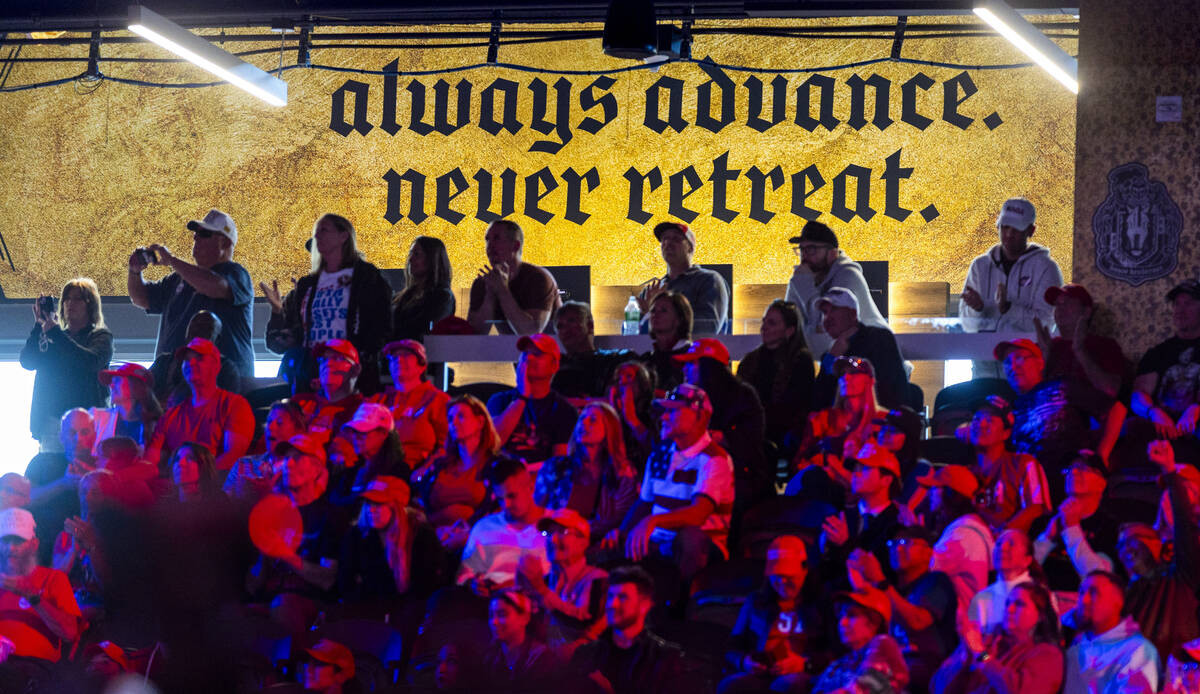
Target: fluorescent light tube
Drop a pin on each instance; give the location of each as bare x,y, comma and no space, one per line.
1033,43
158,29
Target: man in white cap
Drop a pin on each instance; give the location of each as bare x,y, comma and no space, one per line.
213,282
705,290
1006,287
852,338
38,612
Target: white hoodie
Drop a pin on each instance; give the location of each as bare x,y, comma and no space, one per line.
1026,284
1119,661
803,291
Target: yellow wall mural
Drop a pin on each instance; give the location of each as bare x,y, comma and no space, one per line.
907,162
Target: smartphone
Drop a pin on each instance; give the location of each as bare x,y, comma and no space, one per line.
46,305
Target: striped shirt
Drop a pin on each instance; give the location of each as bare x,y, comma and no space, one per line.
674,478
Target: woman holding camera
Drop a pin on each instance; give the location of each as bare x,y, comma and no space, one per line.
68,348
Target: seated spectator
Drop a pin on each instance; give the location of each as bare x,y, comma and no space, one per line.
1013,558
823,267
670,324
533,420
498,542
1015,491
297,591
781,371
853,338
1021,653
66,349
194,474
899,431
631,394
55,478
572,595
1162,391
328,669
1005,287
166,373
377,451
15,491
517,297
1052,421
1183,669
1162,590
254,476
628,658
1082,536
343,298
1076,353
780,639
135,410
964,549
38,612
595,478
77,550
1109,654
391,551
457,669
212,417
838,432
923,601
687,492
515,661
738,422
874,662
704,289
418,408
338,397
873,520
427,297
585,371
451,488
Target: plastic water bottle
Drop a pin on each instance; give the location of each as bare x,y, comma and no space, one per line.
633,317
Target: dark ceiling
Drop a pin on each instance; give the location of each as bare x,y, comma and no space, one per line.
20,16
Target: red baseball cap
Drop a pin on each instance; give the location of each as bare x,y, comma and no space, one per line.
1002,350
705,347
1075,291
662,227
871,598
541,342
566,518
342,348
872,455
305,443
411,346
333,653
387,489
200,346
128,370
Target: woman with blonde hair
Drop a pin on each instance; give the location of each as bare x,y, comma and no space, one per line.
838,432
595,478
343,297
452,488
68,347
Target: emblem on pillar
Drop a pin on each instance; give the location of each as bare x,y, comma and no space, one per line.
1136,228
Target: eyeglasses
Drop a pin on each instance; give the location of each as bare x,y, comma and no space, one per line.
564,532
810,248
905,542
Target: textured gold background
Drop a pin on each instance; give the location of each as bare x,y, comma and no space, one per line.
89,176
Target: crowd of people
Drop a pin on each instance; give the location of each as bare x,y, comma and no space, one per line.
616,522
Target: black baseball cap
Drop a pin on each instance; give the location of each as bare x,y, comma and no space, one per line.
815,232
1189,287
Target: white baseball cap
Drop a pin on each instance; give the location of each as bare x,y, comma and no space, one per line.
217,222
17,521
1017,213
838,296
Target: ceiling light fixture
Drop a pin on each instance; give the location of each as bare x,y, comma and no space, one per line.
158,29
1033,43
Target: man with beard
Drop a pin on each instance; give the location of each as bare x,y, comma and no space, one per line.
338,398
1110,654
705,290
38,612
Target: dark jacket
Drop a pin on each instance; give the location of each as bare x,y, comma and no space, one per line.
413,314
653,666
759,614
878,345
783,379
368,317
364,573
68,368
872,537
